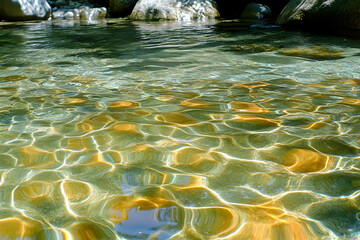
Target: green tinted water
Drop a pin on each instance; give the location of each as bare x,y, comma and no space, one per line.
133,130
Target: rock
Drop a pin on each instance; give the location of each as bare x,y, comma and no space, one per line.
68,14
72,4
276,6
233,9
230,9
121,8
183,10
19,10
256,11
324,14
92,14
83,14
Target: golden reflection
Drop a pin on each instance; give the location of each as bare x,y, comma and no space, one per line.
98,159
318,85
88,125
256,120
183,181
141,112
247,107
74,101
125,128
143,154
303,161
76,191
32,157
32,190
166,143
175,119
274,229
216,222
353,81
20,228
315,125
74,144
352,101
194,159
88,158
13,78
123,104
88,231
143,148
252,85
85,127
195,103
112,156
82,79
269,221
103,119
78,144
164,98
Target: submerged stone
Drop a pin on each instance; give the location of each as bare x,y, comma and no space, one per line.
252,48
313,53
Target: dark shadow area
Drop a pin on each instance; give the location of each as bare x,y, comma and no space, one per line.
230,9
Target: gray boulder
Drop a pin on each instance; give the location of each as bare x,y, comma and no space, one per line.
121,8
92,14
87,14
19,10
322,13
182,10
256,11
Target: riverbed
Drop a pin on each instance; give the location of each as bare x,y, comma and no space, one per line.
169,130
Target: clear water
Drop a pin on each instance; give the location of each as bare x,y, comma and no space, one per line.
134,130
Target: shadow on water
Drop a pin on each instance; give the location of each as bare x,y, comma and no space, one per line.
142,40
264,36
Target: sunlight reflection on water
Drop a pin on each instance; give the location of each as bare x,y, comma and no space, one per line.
142,130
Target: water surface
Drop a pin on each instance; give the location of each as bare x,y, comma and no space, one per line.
136,130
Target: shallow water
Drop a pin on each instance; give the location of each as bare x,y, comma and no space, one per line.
133,130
